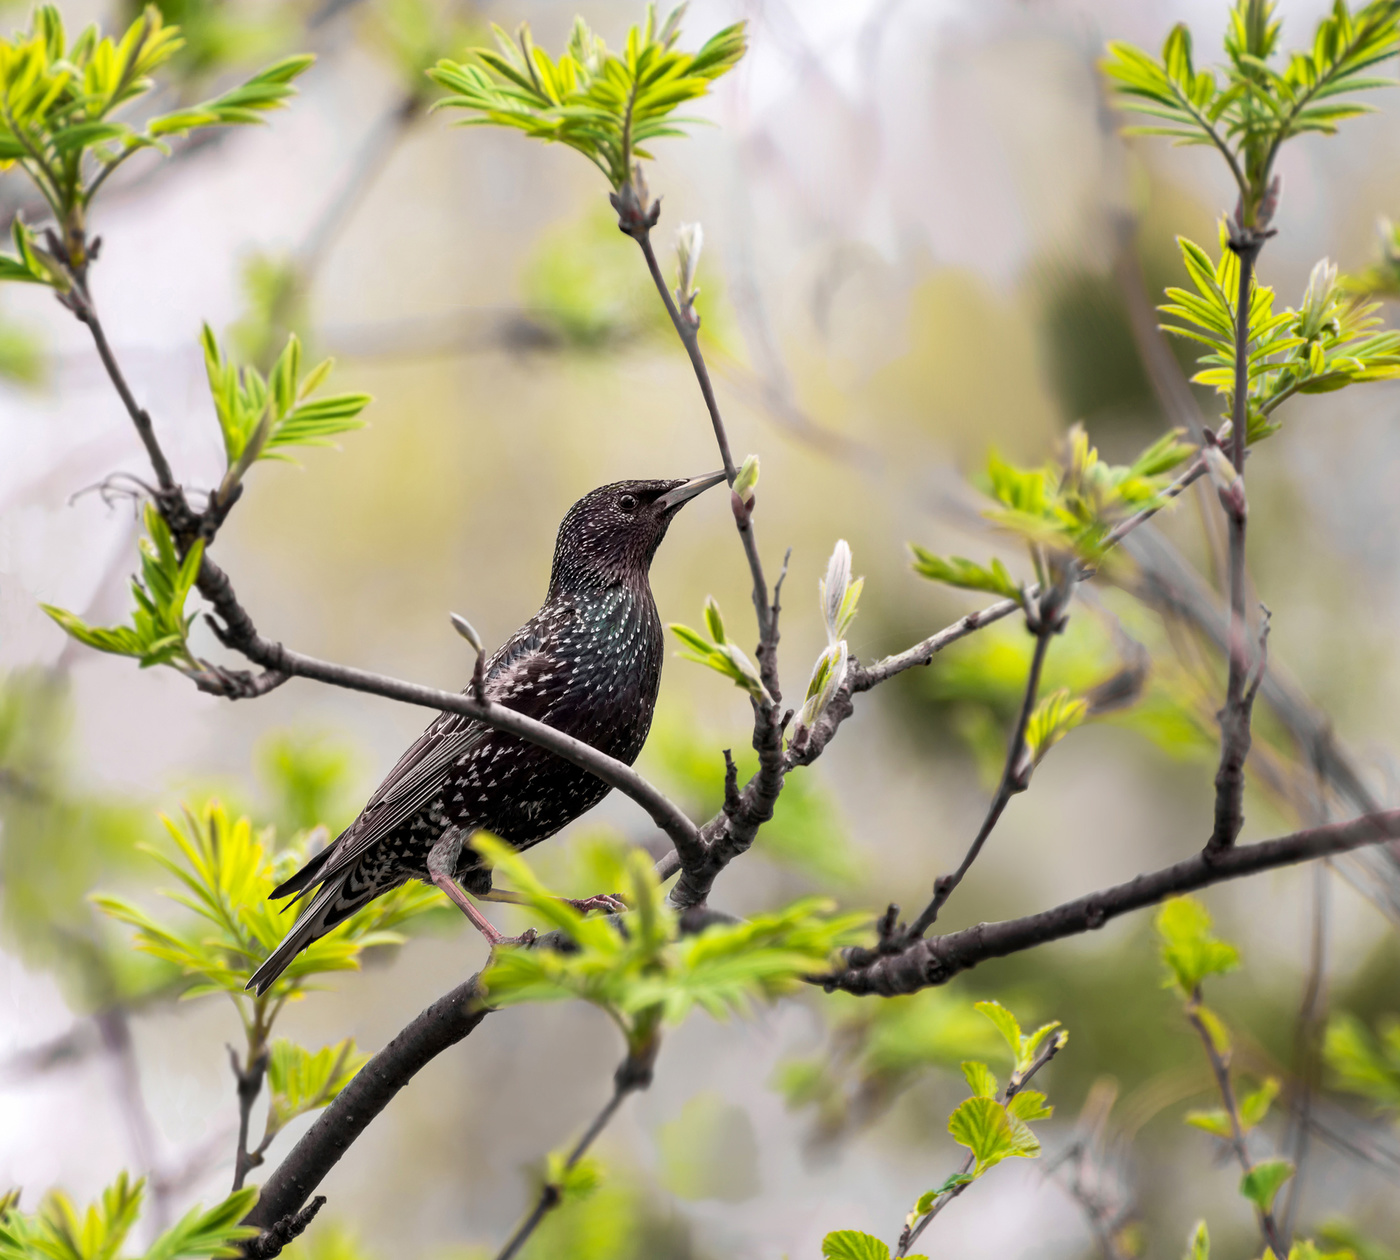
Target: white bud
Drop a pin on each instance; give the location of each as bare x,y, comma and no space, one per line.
466,630
690,240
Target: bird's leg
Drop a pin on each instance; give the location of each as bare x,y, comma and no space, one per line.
442,867
611,903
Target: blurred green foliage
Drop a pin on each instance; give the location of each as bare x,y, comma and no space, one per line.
710,1151
1364,1063
56,839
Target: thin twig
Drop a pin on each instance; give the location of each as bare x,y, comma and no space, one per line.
552,1195
1018,1082
1014,776
249,1078
1220,1068
1235,717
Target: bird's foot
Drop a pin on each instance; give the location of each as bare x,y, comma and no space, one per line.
609,903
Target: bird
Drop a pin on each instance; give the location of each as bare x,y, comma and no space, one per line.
588,663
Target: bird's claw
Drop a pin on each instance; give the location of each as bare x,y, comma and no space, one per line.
611,903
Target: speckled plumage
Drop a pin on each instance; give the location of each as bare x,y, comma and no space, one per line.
588,663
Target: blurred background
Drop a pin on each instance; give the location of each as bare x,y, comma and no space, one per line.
924,240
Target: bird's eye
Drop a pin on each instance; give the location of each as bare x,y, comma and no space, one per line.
628,503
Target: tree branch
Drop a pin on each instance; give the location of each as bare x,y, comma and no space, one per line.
446,1022
938,959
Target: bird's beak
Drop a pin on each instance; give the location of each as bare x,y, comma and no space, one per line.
687,490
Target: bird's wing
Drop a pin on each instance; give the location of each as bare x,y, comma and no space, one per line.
512,679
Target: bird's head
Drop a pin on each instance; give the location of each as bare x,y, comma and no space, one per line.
611,534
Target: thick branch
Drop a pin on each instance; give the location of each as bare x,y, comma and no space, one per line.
441,1026
938,959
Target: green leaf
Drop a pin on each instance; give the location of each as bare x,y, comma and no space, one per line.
1255,1106
1198,1244
956,571
992,1134
1215,1122
1189,948
300,1081
1261,1183
1052,719
930,1197
576,1182
721,655
1029,1104
1004,1022
216,1232
851,1244
980,1080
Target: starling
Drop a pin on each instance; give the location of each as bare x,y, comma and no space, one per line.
588,663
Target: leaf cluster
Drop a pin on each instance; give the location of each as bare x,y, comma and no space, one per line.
1051,720
225,871
260,418
1190,950
1249,106
58,1230
159,629
1067,507
301,1080
721,654
58,107
1253,1107
1329,342
641,971
607,106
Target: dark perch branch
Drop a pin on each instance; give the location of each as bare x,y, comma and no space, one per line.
446,1022
937,960
271,1241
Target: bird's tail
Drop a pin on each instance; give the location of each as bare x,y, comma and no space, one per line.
327,910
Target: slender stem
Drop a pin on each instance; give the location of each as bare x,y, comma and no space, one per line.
1220,1067
689,332
551,1195
1014,779
936,960
1014,1086
1235,717
249,1076
86,311
1312,1013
